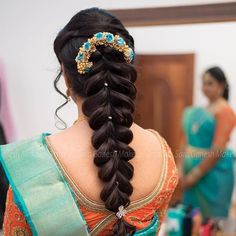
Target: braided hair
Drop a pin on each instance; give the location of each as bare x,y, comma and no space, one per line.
108,90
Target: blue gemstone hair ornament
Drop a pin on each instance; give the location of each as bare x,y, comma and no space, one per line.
101,38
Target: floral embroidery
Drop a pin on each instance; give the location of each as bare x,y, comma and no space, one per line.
20,231
14,221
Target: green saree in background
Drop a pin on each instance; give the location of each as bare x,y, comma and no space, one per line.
212,194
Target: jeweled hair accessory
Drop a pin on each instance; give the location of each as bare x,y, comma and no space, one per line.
121,212
101,38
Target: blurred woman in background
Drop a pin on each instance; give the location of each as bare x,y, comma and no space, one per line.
207,167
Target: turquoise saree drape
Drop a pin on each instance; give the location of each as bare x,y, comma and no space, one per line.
213,192
40,190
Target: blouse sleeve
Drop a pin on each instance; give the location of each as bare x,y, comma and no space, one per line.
14,221
169,186
225,122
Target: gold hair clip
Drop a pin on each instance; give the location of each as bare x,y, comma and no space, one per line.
101,38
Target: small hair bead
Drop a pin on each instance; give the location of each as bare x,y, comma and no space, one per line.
106,84
117,183
110,117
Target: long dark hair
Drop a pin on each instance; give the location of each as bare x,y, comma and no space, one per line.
110,137
218,74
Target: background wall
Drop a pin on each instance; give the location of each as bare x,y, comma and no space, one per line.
28,29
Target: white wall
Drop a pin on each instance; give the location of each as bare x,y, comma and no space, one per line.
28,29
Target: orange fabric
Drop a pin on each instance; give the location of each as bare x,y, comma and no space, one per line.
14,220
225,122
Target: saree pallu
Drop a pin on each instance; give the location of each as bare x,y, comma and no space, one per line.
212,194
42,193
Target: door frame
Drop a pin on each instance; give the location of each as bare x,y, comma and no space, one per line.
187,58
174,15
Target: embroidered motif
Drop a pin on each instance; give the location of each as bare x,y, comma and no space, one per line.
20,231
14,221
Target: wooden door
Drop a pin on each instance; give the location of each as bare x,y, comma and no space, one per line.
165,87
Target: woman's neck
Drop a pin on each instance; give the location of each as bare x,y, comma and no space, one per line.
215,100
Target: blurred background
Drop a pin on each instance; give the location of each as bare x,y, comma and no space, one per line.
175,42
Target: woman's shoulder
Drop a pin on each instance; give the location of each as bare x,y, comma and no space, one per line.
158,155
167,154
161,140
157,140
224,109
225,106
150,141
23,148
13,146
169,177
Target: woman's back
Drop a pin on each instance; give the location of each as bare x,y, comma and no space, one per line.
75,152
